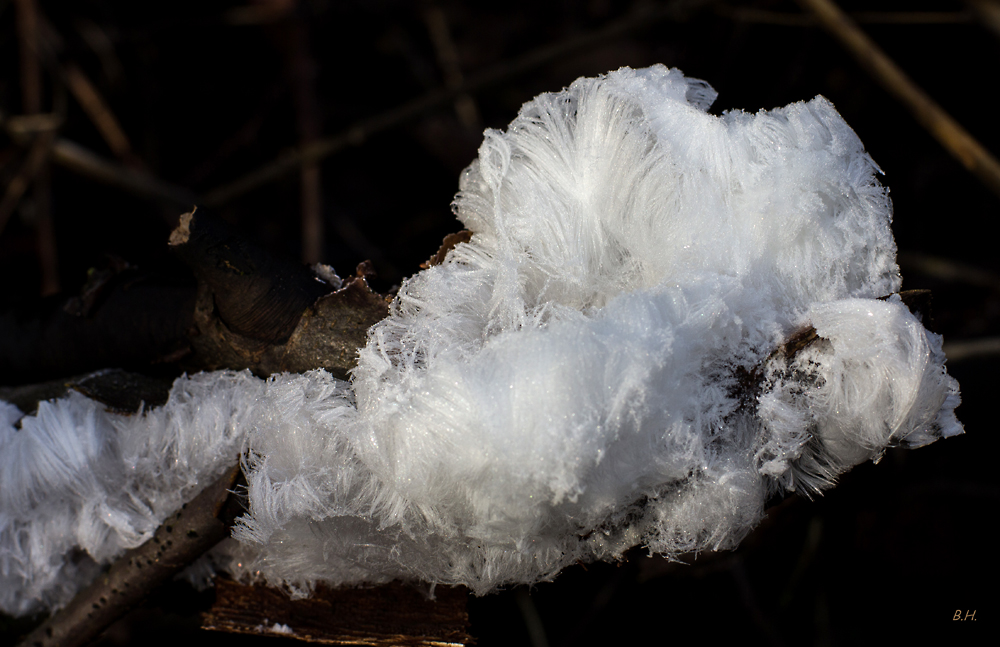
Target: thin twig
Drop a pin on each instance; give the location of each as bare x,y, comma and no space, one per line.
86,94
31,90
949,270
183,537
788,19
447,55
988,13
300,69
246,135
31,79
390,615
48,254
87,163
645,16
100,113
928,113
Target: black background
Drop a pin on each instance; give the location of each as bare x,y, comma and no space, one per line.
892,553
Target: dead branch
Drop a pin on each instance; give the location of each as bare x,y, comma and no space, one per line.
35,160
124,319
958,351
183,537
31,92
389,615
644,16
27,36
85,93
927,112
249,310
269,315
447,55
80,160
789,19
300,69
119,391
949,270
988,13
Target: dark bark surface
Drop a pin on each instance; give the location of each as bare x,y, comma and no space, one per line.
382,616
183,537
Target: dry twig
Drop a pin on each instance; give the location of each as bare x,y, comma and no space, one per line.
949,270
31,91
928,113
447,55
643,17
788,19
86,94
988,13
34,161
87,163
958,351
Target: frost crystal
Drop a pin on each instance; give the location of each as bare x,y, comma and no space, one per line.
596,369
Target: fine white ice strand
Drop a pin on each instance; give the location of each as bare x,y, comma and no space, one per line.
79,485
598,368
567,385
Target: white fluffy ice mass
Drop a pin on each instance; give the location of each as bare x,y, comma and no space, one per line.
567,385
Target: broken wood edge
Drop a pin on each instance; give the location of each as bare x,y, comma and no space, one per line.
942,126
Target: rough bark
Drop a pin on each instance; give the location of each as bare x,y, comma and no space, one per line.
393,614
183,537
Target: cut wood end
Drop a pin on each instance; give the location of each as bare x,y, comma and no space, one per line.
389,615
182,232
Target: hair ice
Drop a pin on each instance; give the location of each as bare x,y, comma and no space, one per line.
567,384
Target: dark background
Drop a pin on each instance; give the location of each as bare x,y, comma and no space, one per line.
208,91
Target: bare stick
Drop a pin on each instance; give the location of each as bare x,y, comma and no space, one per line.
988,13
86,94
81,160
48,255
931,116
182,538
31,78
447,55
957,351
645,16
388,615
33,163
31,89
788,19
949,270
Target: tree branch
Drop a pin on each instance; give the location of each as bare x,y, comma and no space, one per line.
949,133
183,537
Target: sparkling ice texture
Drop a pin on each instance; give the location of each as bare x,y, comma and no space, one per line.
596,369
